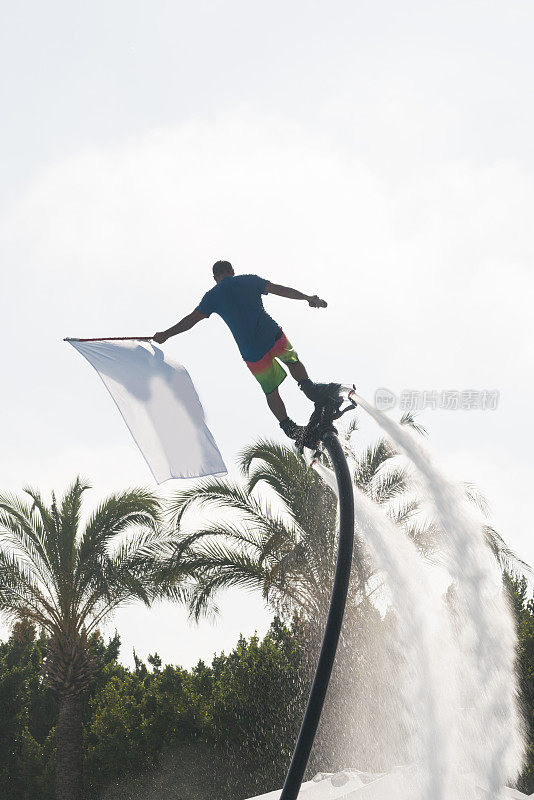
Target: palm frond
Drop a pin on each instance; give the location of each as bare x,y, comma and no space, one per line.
409,419
135,508
371,460
300,491
20,529
21,594
68,520
284,469
219,494
218,565
424,534
506,558
389,484
48,523
405,510
476,496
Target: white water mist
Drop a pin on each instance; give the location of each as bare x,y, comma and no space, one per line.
428,692
487,724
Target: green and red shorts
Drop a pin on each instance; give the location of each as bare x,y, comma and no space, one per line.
268,371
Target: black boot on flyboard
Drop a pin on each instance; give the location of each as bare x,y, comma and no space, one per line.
328,399
319,392
291,429
327,409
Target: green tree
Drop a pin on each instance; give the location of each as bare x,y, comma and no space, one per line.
259,695
522,604
28,715
67,577
155,662
135,715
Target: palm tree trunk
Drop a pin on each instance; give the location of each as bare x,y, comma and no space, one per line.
69,740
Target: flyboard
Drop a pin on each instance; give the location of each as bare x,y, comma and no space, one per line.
320,432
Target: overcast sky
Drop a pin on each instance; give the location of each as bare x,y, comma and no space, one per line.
376,153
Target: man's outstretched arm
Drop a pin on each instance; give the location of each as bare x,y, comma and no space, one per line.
294,294
185,324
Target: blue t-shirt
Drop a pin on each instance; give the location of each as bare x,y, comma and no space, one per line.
238,300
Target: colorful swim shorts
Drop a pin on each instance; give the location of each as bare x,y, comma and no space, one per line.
267,370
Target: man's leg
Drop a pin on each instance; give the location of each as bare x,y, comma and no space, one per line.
289,357
300,374
276,404
269,373
298,371
316,392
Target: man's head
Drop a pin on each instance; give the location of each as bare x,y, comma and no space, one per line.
222,269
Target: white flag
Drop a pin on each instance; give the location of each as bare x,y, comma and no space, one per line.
160,406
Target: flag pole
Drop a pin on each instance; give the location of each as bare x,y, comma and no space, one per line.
112,339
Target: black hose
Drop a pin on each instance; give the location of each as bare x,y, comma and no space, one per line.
333,623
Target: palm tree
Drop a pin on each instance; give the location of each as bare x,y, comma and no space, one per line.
67,577
284,541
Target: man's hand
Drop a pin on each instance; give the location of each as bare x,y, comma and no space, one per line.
160,337
316,302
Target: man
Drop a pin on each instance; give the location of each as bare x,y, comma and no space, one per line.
261,341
